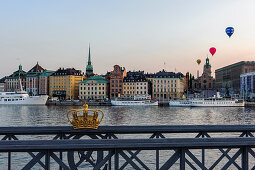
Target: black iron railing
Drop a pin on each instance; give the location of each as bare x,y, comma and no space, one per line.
129,147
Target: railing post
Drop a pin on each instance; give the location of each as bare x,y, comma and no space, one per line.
9,157
157,155
47,160
182,159
110,160
60,153
245,160
116,159
203,152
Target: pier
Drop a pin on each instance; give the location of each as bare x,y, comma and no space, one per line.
133,147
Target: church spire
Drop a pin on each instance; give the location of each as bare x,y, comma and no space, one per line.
89,60
89,68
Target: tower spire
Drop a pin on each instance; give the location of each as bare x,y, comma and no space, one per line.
89,68
89,59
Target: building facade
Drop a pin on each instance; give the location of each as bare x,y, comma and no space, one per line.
32,80
12,82
64,83
167,85
93,88
206,81
2,82
135,84
44,82
247,84
228,78
116,81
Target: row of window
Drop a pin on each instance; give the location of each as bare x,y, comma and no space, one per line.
135,83
132,92
164,90
165,85
165,81
134,87
88,84
91,93
92,88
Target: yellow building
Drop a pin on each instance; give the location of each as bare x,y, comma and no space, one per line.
64,83
168,85
135,84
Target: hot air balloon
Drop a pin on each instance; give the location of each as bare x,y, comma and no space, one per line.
230,31
198,61
212,50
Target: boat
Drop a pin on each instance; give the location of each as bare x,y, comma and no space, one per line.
180,103
21,98
136,101
215,101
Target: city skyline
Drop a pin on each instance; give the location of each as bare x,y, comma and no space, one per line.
138,35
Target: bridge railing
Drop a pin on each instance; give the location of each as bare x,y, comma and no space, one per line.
148,147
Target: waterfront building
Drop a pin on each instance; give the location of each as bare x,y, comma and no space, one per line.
247,84
228,78
93,88
135,84
116,81
64,83
89,68
44,80
206,81
168,85
12,82
2,82
32,80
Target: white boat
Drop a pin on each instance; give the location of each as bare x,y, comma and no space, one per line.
136,101
21,98
180,103
216,101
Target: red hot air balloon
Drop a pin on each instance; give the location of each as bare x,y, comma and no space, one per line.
212,50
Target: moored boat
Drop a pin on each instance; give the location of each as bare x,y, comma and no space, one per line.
216,101
137,101
21,98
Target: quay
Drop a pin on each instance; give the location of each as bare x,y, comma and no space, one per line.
133,147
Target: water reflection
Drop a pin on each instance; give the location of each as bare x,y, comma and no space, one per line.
123,115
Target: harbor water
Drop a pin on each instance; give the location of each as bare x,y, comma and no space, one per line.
125,115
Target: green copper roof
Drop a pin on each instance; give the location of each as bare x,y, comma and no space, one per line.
98,79
207,63
47,73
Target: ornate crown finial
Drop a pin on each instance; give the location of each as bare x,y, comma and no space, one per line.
84,120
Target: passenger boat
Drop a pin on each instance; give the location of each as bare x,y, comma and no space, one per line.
216,101
137,101
21,98
180,103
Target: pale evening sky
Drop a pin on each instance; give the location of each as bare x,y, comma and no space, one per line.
136,34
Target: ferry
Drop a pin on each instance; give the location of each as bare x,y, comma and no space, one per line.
21,98
136,101
216,101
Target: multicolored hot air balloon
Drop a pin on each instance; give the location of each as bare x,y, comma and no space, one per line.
212,50
198,61
229,31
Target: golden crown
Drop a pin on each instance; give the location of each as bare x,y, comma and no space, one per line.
82,120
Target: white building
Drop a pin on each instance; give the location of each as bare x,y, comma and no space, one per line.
247,85
93,88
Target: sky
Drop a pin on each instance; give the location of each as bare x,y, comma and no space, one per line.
148,35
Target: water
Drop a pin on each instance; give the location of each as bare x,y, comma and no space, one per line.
125,115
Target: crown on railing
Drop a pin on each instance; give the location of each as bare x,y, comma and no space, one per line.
82,120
